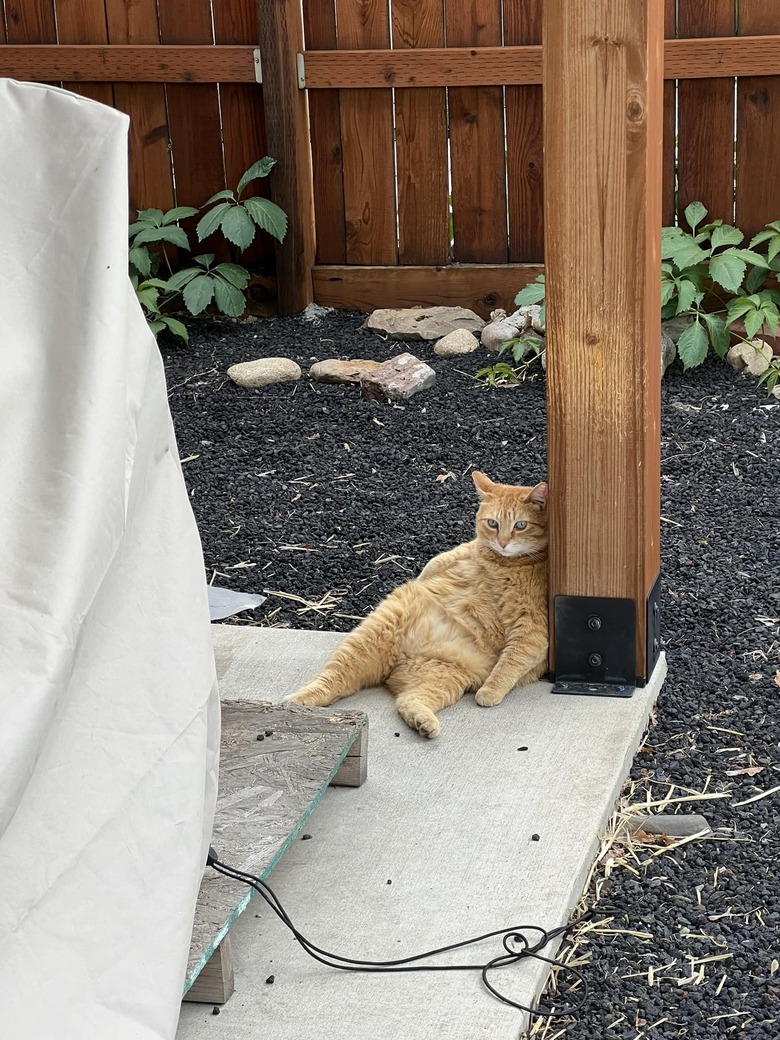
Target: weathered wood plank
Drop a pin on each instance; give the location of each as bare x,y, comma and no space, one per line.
523,25
84,21
287,133
602,138
705,121
367,143
421,143
243,117
319,27
216,982
129,64
267,789
150,173
670,128
482,287
353,771
477,155
758,126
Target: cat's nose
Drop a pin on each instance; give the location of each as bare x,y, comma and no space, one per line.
503,544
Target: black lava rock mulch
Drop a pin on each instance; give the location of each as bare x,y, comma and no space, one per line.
328,502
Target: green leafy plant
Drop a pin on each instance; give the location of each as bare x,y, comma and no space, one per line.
533,293
707,276
710,279
525,351
223,285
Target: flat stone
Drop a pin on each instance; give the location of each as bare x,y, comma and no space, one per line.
676,826
397,379
752,357
461,341
411,323
334,371
264,372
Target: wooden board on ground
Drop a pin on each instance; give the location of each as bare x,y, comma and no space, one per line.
267,790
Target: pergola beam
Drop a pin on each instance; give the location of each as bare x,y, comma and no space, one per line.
603,62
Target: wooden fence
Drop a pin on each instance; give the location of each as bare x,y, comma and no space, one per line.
424,120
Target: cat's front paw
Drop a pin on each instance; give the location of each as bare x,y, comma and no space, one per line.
487,698
310,700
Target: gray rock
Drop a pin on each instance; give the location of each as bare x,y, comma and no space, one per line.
333,371
461,341
411,323
397,379
676,826
503,327
314,313
668,348
753,357
264,372
676,326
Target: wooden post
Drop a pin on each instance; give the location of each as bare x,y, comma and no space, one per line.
603,101
287,132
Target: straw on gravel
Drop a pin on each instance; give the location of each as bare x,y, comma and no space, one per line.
327,502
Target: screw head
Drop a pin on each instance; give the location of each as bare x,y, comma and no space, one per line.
595,660
594,623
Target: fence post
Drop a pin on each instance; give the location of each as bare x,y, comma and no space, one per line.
287,131
603,68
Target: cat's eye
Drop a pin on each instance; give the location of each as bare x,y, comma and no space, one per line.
521,525
492,523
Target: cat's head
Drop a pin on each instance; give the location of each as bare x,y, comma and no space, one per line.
512,521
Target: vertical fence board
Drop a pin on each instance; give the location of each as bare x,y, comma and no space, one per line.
84,21
603,208
758,127
670,128
151,182
477,153
523,25
421,143
706,118
193,109
319,24
30,21
243,124
367,129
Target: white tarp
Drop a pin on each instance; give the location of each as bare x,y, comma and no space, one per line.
109,717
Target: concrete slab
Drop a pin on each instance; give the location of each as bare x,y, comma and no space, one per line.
449,822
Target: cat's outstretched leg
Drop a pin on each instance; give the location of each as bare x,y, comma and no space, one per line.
422,687
522,660
362,659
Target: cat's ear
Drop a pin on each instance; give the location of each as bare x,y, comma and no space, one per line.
539,496
484,485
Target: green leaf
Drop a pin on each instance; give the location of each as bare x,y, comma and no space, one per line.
147,296
668,289
726,235
179,213
727,271
686,291
268,216
178,280
234,273
695,214
774,248
150,216
199,293
141,260
762,236
684,252
259,169
238,227
750,257
692,345
228,298
209,223
774,225
719,334
206,259
542,315
228,194
755,279
158,283
753,322
174,235
737,307
177,327
532,293
155,324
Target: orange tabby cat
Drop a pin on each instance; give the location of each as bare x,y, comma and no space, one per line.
475,619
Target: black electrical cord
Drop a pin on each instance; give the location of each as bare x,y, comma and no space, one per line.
512,938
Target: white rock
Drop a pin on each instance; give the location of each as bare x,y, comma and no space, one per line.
264,372
461,341
410,323
753,357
